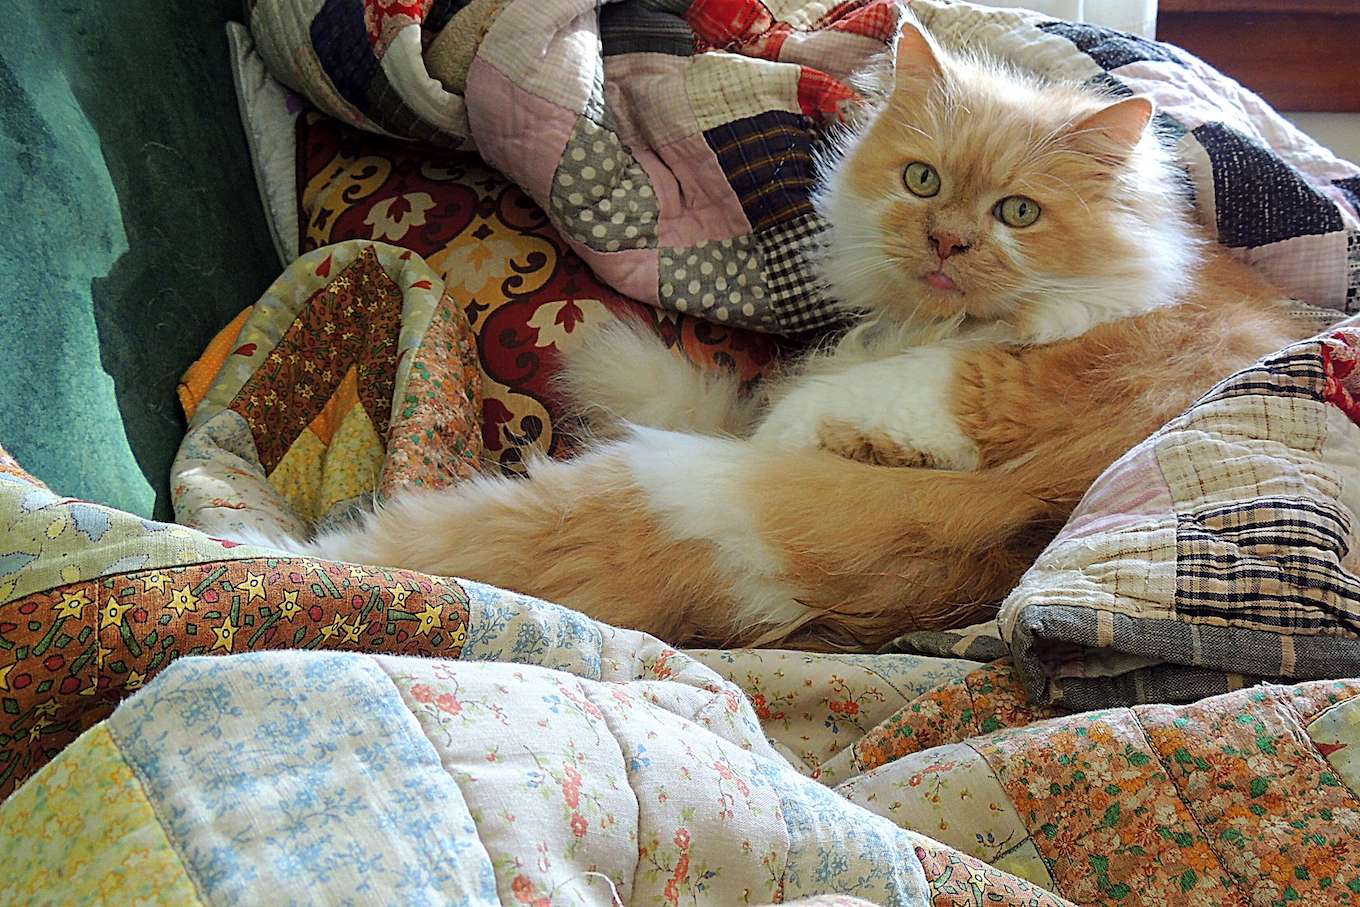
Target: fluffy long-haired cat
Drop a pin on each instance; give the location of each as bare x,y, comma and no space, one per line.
1034,300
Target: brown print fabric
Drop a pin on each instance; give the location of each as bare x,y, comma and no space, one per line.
352,322
70,654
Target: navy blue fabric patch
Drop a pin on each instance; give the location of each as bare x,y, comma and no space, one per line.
767,159
635,27
1260,198
1110,49
1351,187
1106,84
340,38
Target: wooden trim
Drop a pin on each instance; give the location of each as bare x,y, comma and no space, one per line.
1331,7
1297,61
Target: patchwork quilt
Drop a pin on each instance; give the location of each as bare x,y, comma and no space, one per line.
673,143
356,728
548,759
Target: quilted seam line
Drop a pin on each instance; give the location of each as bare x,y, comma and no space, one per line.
1241,896
434,752
1299,725
1052,885
623,760
176,846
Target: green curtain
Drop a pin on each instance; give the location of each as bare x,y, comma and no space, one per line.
134,232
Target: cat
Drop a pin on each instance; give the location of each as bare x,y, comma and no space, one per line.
1033,300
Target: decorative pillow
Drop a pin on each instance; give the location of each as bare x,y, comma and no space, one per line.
1223,549
653,136
525,293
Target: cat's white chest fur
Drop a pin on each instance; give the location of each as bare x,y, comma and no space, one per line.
907,396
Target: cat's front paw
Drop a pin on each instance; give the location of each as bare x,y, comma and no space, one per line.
874,448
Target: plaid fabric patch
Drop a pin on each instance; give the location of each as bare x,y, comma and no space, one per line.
822,97
724,89
797,297
1297,373
871,18
724,23
1352,271
768,162
387,109
1268,564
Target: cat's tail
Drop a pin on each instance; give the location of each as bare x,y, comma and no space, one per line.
624,375
717,541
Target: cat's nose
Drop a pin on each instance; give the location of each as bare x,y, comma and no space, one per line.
946,244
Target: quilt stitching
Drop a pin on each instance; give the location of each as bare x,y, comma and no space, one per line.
1181,796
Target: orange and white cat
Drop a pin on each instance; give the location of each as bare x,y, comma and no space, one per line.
1034,300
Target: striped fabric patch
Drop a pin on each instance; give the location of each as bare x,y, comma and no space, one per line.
1269,563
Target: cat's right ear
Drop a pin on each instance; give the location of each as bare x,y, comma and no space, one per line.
917,67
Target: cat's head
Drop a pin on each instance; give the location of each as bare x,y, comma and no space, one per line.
974,194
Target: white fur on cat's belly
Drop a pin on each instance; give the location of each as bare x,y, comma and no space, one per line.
694,485
908,397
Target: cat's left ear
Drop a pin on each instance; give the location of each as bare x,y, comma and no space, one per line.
917,66
1110,134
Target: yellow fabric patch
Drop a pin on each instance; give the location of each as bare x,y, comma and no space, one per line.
353,462
82,832
314,476
1336,734
298,475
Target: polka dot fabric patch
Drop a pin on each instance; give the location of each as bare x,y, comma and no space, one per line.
718,280
601,195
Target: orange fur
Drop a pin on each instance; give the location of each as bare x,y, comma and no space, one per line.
885,550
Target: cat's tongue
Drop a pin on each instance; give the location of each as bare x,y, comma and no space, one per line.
940,281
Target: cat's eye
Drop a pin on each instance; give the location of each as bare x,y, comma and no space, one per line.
1017,211
921,179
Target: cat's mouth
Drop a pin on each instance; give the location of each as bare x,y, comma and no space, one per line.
941,281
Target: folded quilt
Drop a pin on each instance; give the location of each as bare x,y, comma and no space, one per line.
1222,550
673,143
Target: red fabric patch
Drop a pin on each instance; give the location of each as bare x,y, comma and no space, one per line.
1340,356
876,19
822,97
384,18
724,23
768,45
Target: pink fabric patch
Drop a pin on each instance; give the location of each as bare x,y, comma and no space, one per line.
518,133
1313,268
1124,496
646,94
633,272
696,200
